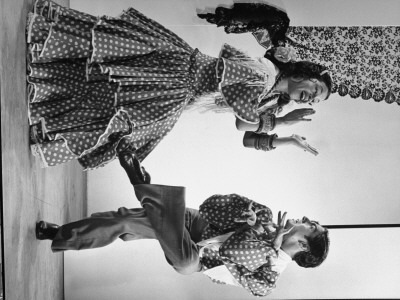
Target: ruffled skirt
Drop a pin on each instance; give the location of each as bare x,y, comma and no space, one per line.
101,85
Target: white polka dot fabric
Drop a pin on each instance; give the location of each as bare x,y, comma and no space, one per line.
221,210
246,253
242,83
99,85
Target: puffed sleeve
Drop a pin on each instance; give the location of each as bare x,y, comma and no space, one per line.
248,248
260,283
243,80
221,211
246,254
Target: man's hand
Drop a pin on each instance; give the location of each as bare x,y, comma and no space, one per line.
280,230
249,216
296,116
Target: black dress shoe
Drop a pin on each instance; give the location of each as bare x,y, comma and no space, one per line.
136,173
46,231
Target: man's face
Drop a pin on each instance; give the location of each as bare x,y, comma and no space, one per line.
303,227
307,90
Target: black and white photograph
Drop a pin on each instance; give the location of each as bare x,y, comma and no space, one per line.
200,149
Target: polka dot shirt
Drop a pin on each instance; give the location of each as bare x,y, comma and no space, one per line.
245,253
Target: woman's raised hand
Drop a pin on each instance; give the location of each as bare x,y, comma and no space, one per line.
300,142
296,116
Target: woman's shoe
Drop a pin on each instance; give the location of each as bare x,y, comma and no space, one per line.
36,135
46,231
33,135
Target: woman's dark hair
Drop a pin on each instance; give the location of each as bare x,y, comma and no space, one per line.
319,247
304,69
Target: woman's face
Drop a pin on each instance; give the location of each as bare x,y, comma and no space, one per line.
307,90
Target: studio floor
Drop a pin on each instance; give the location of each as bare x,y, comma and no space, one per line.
30,193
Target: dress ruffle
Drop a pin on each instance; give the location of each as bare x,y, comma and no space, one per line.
100,85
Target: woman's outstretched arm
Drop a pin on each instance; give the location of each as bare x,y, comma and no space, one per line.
268,142
269,122
244,126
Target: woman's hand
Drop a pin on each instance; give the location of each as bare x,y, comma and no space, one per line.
300,142
280,231
296,116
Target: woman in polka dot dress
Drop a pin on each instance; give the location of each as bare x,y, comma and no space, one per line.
98,86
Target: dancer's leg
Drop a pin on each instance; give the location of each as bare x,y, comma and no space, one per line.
163,217
102,229
177,229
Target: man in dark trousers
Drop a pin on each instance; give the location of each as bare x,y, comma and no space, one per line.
231,239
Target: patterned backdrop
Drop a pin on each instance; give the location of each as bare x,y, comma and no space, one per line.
364,61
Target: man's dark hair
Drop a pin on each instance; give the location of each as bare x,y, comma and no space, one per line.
319,247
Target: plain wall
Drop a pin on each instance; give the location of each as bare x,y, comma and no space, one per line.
353,180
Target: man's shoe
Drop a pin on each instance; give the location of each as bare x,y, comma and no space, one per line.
46,231
136,173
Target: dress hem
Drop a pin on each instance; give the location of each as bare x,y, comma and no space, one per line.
36,151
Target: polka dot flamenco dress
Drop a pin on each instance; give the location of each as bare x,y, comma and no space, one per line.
101,85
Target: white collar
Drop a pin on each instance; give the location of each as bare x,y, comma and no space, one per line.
283,255
280,263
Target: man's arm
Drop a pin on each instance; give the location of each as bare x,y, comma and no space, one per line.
222,211
247,255
260,283
249,248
